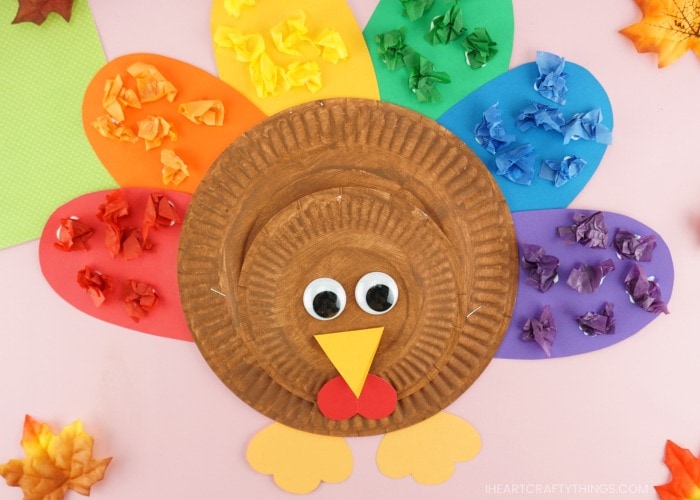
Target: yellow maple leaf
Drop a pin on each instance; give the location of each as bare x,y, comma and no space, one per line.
668,27
54,464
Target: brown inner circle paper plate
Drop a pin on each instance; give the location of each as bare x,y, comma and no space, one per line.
340,188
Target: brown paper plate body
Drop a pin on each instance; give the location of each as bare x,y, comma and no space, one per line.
340,188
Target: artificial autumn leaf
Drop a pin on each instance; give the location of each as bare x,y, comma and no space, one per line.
685,474
668,27
36,11
54,464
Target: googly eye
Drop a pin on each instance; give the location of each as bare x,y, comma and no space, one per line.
376,293
324,298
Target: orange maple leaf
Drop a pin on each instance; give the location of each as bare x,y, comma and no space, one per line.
668,27
54,464
685,474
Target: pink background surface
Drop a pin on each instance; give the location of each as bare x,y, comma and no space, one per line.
591,423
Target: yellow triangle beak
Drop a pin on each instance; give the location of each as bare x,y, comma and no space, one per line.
352,353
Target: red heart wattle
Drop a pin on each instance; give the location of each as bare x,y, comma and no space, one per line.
337,401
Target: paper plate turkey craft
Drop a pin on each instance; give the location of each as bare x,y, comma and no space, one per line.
348,268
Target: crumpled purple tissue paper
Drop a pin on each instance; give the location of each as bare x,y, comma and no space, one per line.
542,330
588,229
634,246
602,323
542,270
643,291
587,279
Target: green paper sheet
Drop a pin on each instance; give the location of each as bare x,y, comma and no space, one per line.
46,158
496,16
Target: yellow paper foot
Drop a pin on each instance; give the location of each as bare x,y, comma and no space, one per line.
429,450
298,461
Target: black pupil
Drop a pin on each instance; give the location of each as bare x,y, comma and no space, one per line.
326,304
378,298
